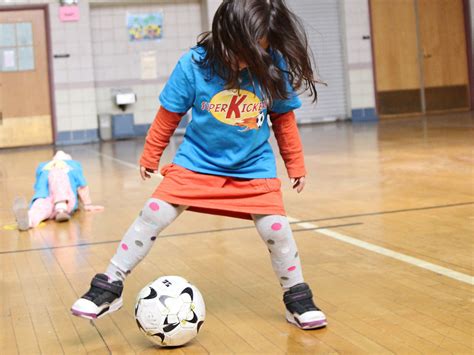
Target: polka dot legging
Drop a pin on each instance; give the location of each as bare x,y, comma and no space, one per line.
276,233
157,215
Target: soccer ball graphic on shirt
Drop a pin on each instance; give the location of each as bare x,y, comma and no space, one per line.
170,311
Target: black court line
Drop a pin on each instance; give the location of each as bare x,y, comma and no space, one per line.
387,212
168,236
321,219
251,227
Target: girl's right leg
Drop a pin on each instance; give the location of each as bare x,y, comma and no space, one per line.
105,293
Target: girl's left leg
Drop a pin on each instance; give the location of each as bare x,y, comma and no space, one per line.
41,209
276,232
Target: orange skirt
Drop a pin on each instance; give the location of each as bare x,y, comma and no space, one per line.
220,195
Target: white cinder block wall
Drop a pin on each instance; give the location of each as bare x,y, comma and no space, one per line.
359,57
117,62
210,7
74,90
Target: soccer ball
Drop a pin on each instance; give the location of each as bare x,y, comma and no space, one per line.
170,311
260,119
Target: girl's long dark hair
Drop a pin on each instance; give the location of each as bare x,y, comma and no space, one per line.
237,29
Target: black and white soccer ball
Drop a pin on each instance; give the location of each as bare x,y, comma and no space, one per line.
170,311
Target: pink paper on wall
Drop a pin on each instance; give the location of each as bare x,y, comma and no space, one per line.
69,13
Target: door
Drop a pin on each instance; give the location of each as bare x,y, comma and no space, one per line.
444,52
397,65
25,110
420,56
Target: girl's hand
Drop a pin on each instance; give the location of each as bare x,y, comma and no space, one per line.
145,172
298,183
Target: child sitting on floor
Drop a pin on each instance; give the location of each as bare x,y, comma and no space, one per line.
59,184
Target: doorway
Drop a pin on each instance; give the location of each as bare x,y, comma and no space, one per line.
25,101
420,56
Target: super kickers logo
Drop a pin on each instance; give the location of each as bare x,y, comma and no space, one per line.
240,108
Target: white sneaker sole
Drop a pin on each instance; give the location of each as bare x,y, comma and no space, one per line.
314,324
99,312
20,210
62,216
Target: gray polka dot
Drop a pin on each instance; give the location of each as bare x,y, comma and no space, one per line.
270,241
269,251
296,254
153,238
284,278
138,243
128,272
118,274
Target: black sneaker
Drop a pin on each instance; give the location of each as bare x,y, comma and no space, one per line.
301,310
103,297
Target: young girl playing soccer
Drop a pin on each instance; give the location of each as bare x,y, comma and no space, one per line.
242,73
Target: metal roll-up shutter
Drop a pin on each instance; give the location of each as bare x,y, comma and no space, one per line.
322,20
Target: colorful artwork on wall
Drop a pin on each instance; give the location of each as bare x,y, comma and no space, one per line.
145,27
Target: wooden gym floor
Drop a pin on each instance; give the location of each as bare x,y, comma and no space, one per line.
391,263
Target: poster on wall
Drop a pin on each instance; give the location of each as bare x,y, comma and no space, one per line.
69,10
145,27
